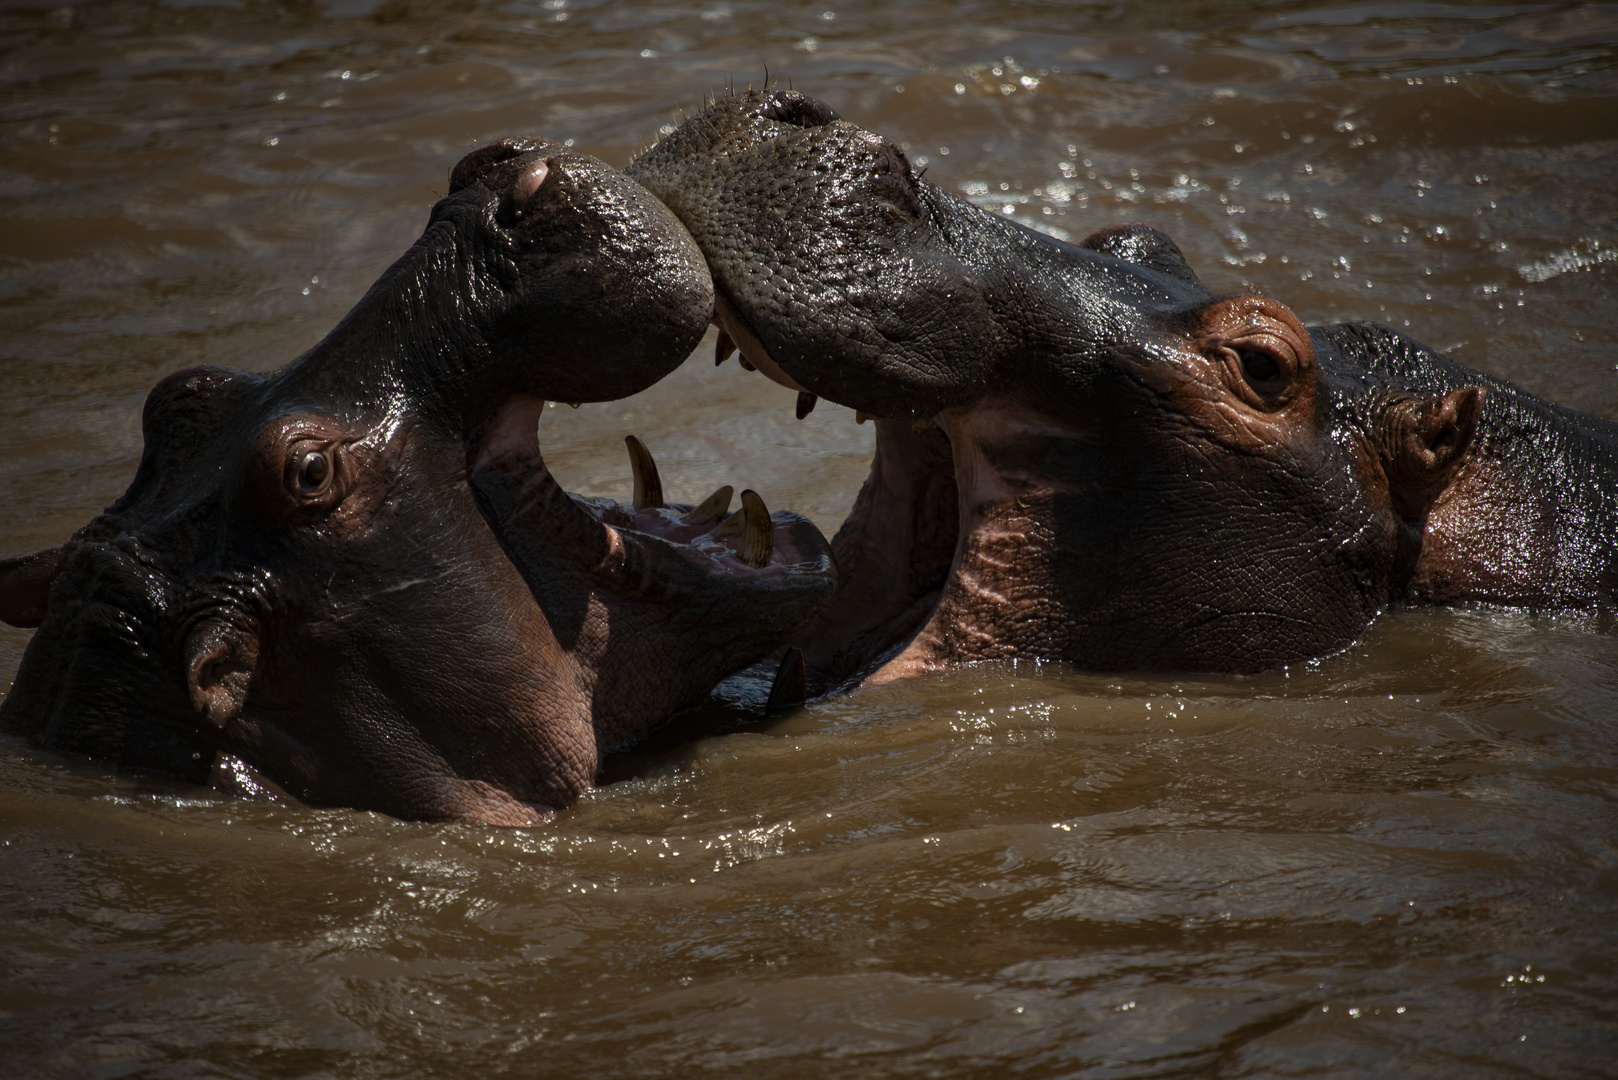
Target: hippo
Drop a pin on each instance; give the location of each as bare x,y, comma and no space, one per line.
352,582
1083,454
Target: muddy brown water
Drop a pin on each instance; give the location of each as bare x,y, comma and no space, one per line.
1398,861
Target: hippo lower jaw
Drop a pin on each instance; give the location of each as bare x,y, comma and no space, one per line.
1001,596
948,553
952,555
648,546
898,548
896,552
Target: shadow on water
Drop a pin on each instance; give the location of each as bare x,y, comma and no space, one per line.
1395,861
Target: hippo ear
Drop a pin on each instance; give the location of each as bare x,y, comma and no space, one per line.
25,586
1424,441
1144,246
220,659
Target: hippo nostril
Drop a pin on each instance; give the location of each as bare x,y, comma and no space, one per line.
474,166
528,183
799,110
220,659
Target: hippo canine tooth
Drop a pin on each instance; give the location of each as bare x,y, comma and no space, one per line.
758,539
712,509
791,683
648,486
752,524
806,403
722,348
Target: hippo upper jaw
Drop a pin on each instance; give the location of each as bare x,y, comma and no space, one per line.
840,271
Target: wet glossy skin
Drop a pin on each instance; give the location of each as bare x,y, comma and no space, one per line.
1146,475
354,582
1356,868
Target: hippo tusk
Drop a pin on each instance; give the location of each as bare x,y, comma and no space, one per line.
648,485
758,539
752,524
712,509
791,685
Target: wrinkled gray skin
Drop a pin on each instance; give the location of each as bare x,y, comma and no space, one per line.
1127,470
352,581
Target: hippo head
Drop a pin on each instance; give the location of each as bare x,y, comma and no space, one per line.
1082,453
354,580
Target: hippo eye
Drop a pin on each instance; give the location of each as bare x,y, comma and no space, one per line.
1265,373
1261,351
312,473
300,466
1258,368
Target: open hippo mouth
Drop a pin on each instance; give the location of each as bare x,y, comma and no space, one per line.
839,273
353,581
1083,453
508,473
703,577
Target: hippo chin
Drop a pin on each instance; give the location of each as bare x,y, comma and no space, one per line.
1085,455
353,581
